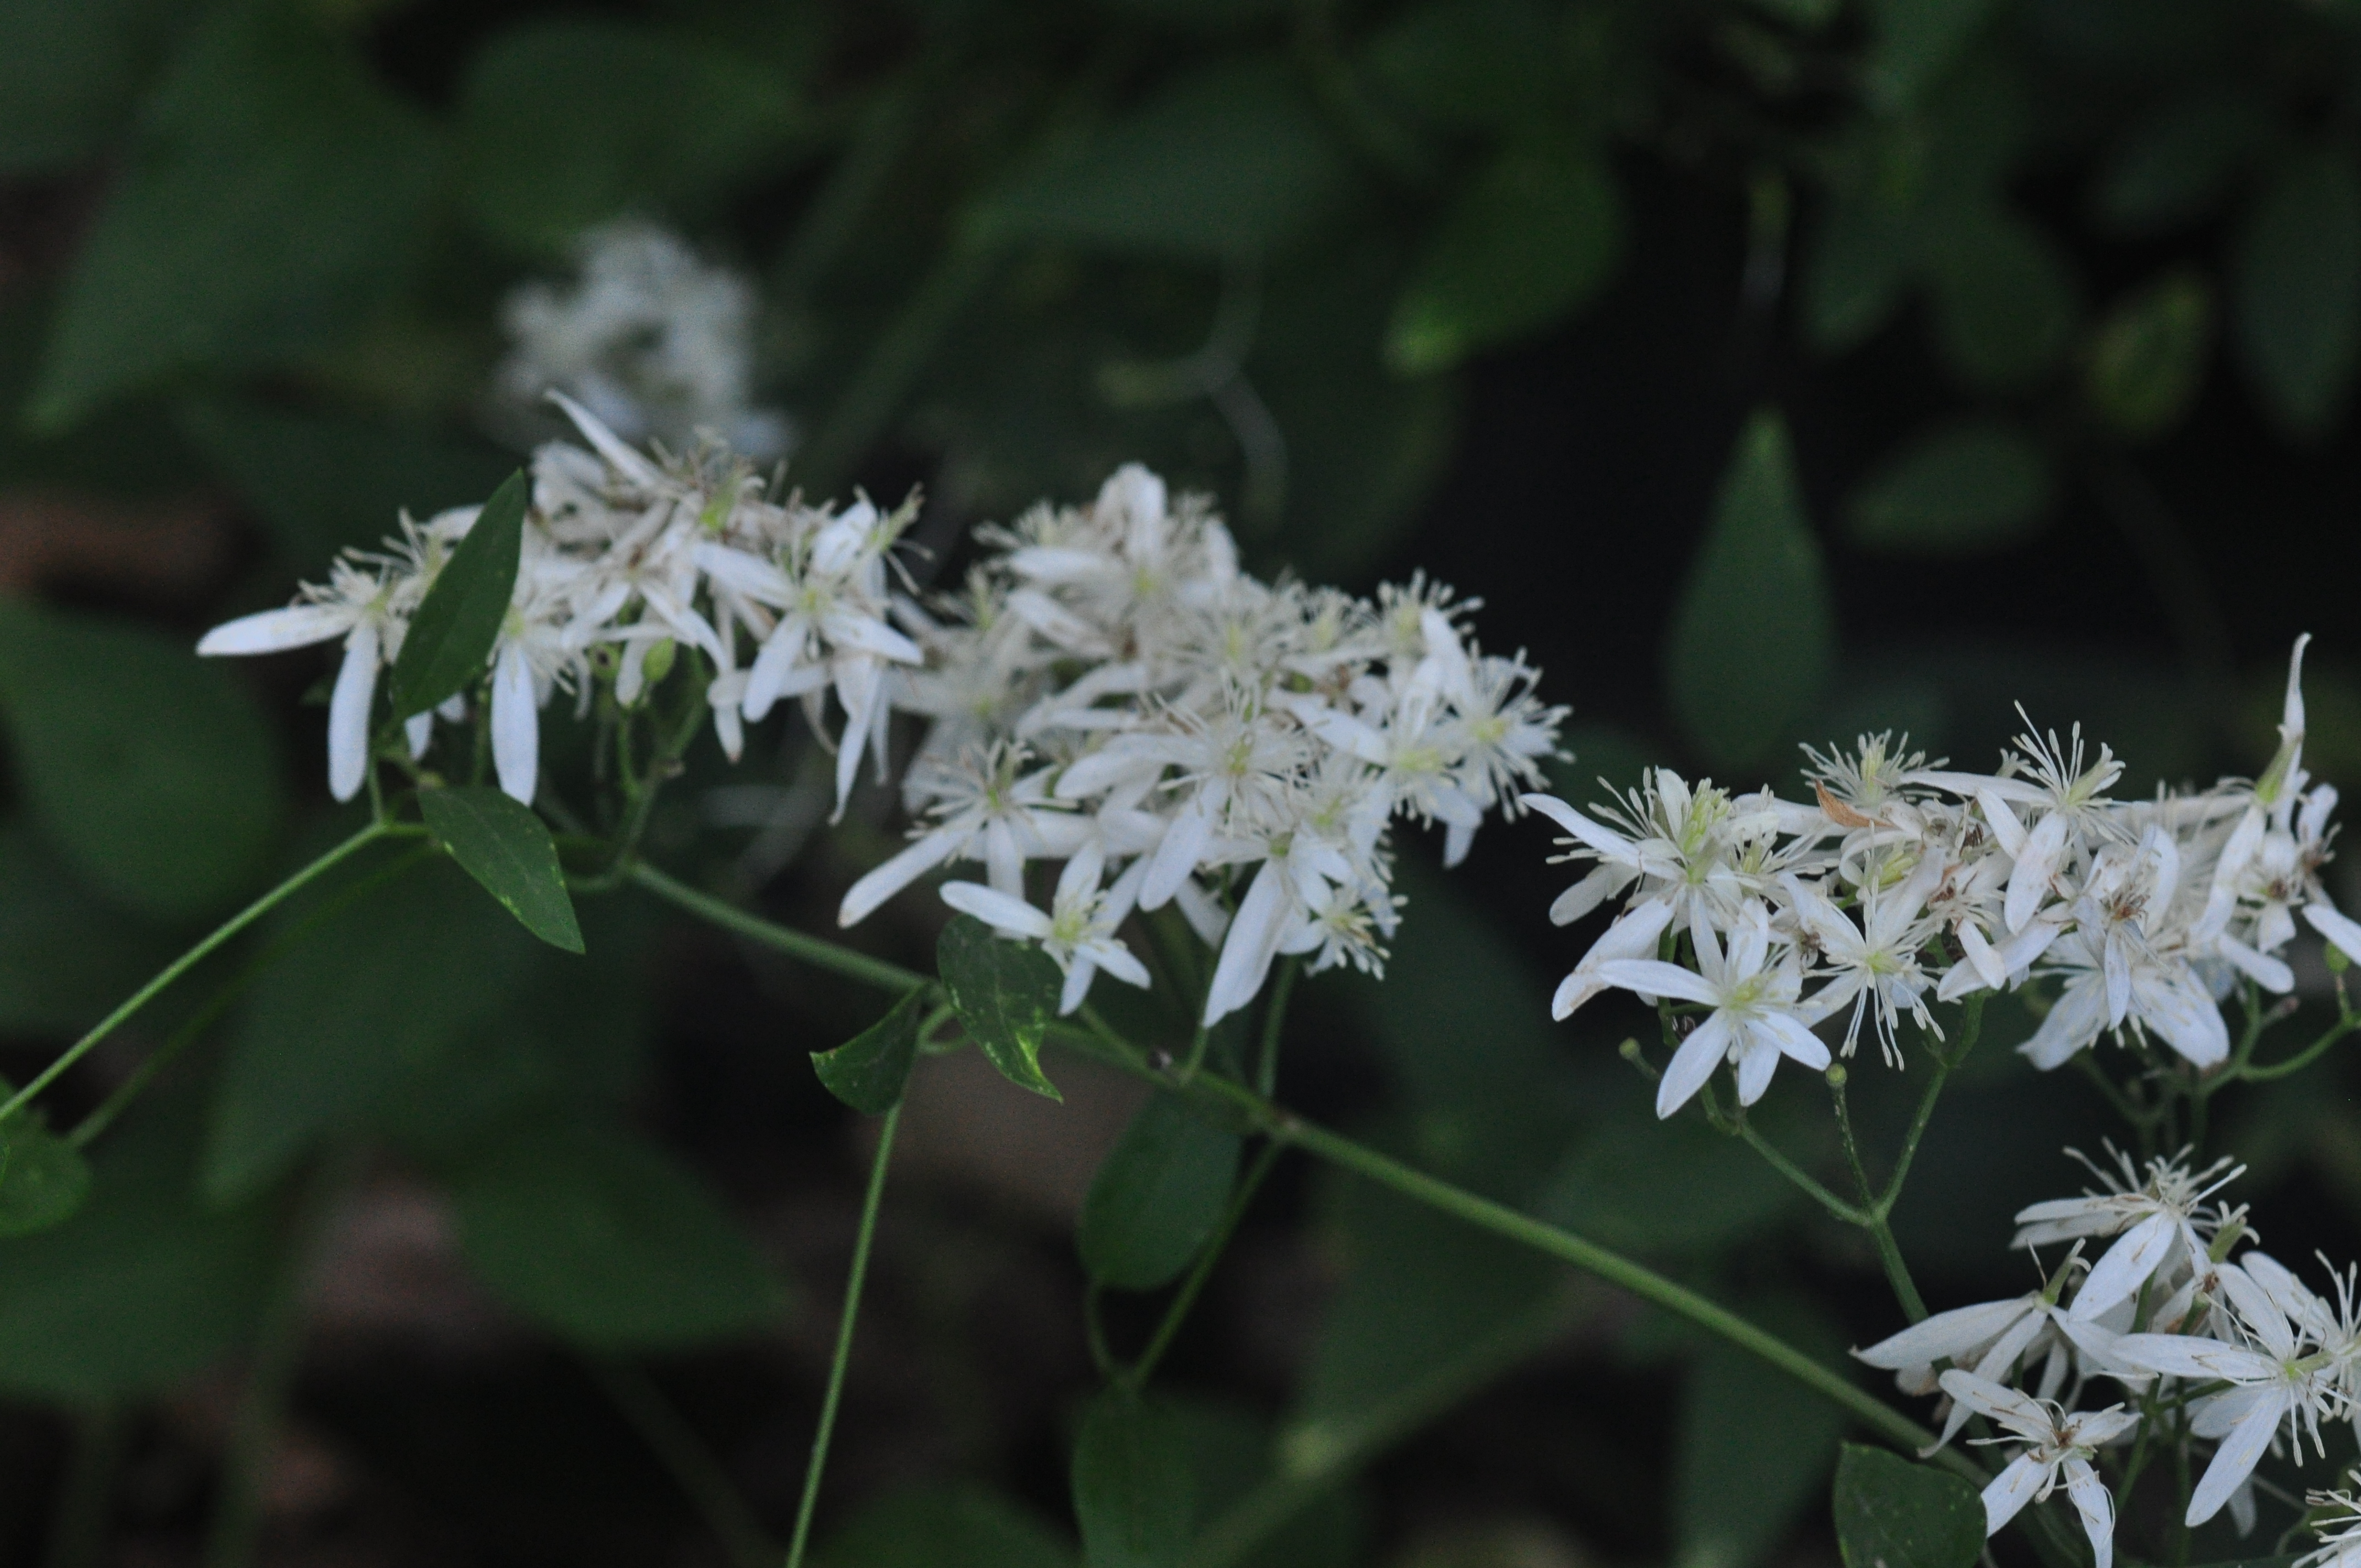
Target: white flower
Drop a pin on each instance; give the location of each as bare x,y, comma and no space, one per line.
2336,1519
2058,1447
2276,1374
1988,1339
1079,930
1754,1021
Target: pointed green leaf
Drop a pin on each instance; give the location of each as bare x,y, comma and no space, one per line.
508,848
869,1070
43,1179
2296,289
1157,1198
2173,167
1134,1491
152,770
1854,267
450,638
606,1241
1529,240
1891,1513
1914,42
1754,630
1966,485
1006,992
2147,360
935,1527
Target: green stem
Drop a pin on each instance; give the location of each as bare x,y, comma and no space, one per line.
690,1462
843,1357
1872,1218
2304,1058
1208,1256
1284,1126
193,1028
236,1526
189,960
87,1499
817,950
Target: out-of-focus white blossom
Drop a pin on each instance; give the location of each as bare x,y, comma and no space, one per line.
650,337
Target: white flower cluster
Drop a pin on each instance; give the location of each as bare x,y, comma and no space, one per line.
1110,690
2219,1351
652,339
1903,883
624,561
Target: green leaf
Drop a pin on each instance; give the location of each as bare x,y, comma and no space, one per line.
1754,632
43,1179
1754,1446
1891,1513
2176,166
1229,161
869,1070
2005,300
934,1527
2146,359
1524,244
1157,1196
323,481
450,638
507,849
1964,485
1232,1454
66,958
154,772
70,73
1005,993
1670,1187
377,992
1854,267
1914,41
142,1288
1133,1492
566,122
275,194
604,1239
2295,286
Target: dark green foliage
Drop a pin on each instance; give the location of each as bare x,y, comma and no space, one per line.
43,1179
603,1239
67,957
1753,1448
1134,1494
275,192
1157,1198
154,773
869,1070
1006,994
1891,1513
928,1529
451,637
1664,1187
2296,287
1963,486
508,850
1754,630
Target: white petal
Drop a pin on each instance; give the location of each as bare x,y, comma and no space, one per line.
2337,927
1011,916
298,626
516,725
1252,943
2011,1490
884,881
2097,1507
418,729
1175,858
1653,977
2235,1459
2029,884
1693,1064
348,713
2126,1265
1946,1335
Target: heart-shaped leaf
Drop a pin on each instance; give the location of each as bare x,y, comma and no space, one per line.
869,1070
1006,994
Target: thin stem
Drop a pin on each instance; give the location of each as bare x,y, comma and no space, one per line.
189,960
2304,1058
193,1028
1274,1022
236,1526
817,950
1177,1313
692,1465
86,1497
843,1357
1839,1210
1871,1217
1284,1126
